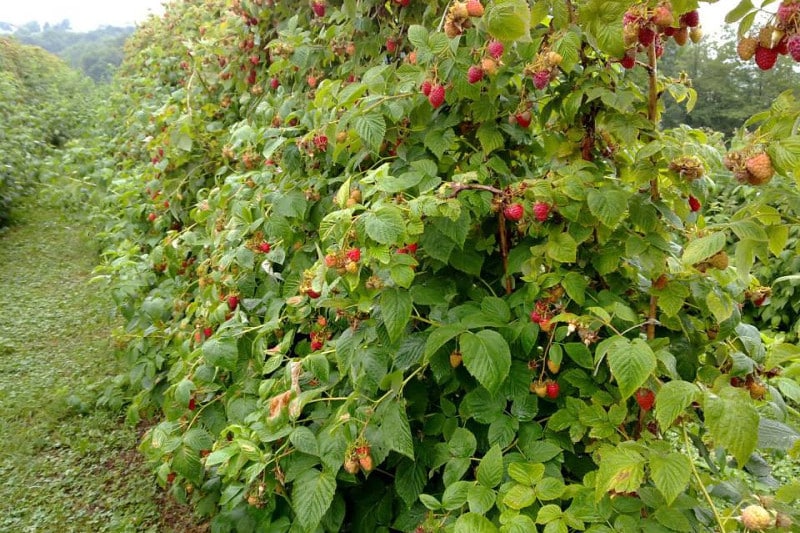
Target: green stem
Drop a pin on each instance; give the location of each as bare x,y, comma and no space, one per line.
699,481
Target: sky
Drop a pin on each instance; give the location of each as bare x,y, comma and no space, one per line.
85,15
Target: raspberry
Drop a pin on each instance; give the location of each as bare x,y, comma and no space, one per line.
541,211
354,255
536,317
793,47
645,398
662,16
474,8
746,48
646,36
412,248
760,169
321,142
523,119
425,88
274,83
681,35
766,57
690,19
628,62
264,247
474,74
787,11
233,302
552,390
694,204
495,49
436,96
756,518
318,8
541,79
514,212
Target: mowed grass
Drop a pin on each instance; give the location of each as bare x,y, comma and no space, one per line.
65,465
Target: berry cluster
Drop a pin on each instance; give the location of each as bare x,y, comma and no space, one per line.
344,261
750,166
459,16
781,36
644,27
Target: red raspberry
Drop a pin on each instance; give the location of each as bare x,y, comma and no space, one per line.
536,317
474,8
495,49
316,345
628,62
645,398
793,46
233,302
541,210
646,36
524,119
514,212
541,79
264,247
690,19
319,9
436,97
474,74
426,87
274,83
321,142
786,11
694,204
766,57
552,390
412,248
354,255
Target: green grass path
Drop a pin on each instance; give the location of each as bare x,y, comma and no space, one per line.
64,465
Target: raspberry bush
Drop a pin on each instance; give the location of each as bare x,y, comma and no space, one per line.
368,289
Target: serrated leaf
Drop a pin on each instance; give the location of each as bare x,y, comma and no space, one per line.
621,470
703,248
562,247
418,35
186,462
608,205
490,138
508,20
778,237
526,473
720,305
631,364
440,336
744,7
384,225
474,523
396,431
455,495
487,357
304,440
396,307
490,469
409,481
672,399
519,496
548,513
670,473
550,488
732,421
198,439
480,499
312,494
222,353
371,127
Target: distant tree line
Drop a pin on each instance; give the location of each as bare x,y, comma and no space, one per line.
96,53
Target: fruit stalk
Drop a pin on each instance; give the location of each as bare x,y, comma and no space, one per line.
504,251
652,116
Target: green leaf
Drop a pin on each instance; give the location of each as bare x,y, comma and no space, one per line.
703,248
455,495
396,306
497,308
720,305
744,7
487,357
371,128
672,400
312,494
607,205
222,353
526,473
548,513
385,225
732,421
418,36
490,470
621,469
519,496
670,473
490,137
778,237
631,364
198,439
440,336
474,523
396,431
575,285
481,499
508,20
562,247
550,488
462,443
186,462
304,440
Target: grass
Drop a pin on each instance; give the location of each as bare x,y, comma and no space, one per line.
65,465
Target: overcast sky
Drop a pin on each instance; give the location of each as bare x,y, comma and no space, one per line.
85,15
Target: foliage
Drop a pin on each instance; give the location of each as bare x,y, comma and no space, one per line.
42,104
335,304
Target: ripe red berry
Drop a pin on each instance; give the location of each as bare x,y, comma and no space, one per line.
412,248
403,3
474,74
793,46
628,62
524,119
207,332
436,97
552,390
264,247
514,212
321,142
254,59
536,317
645,398
495,49
690,19
474,8
318,8
426,87
694,204
541,210
541,79
152,217
391,45
646,36
316,345
274,83
313,294
192,404
354,254
766,57
233,302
